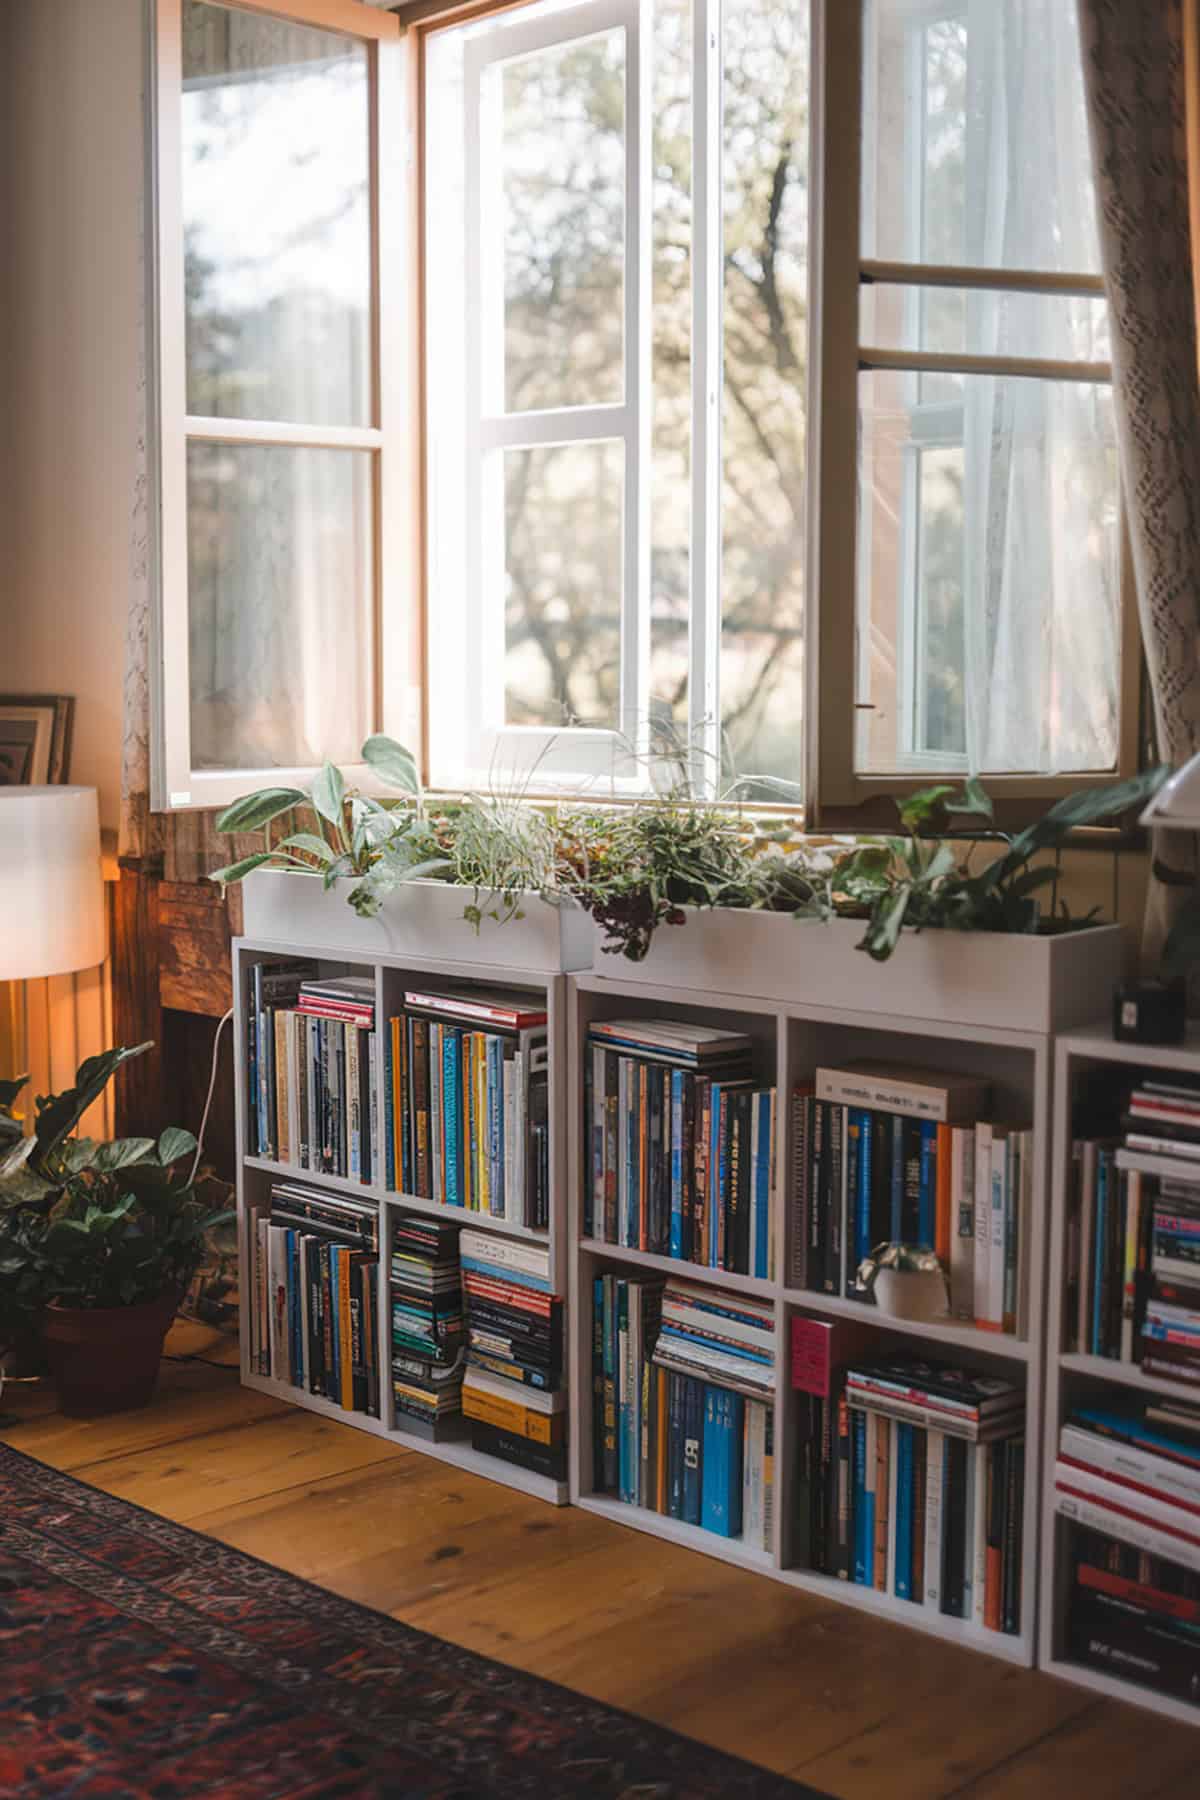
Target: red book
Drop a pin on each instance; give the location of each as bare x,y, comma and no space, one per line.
515,1012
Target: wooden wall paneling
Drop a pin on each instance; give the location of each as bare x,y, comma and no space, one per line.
195,972
137,1011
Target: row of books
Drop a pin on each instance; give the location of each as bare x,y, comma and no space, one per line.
314,1314
1129,1485
910,1477
1132,1275
904,1155
512,1395
466,1103
681,1144
428,1329
668,1436
312,1091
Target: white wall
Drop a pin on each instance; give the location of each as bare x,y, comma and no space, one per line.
72,160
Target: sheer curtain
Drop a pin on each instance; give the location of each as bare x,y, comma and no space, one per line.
1040,563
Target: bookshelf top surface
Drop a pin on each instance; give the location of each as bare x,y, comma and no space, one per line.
1097,1041
444,968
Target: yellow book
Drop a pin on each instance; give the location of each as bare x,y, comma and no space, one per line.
510,1415
466,1076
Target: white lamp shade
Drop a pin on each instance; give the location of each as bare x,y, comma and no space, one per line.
1176,805
51,892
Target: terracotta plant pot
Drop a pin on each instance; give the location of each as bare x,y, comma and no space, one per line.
105,1359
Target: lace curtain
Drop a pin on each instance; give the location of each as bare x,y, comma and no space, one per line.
1136,55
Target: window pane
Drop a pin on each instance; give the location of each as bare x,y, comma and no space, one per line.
766,355
561,169
279,604
975,147
1058,327
276,219
988,609
562,569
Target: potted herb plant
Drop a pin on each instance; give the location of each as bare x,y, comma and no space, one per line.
978,934
476,879
98,1242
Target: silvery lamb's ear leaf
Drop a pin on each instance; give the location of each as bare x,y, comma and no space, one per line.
392,763
329,793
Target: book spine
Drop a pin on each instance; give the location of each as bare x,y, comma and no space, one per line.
903,1587
935,1477
801,1172
983,1222
389,1106
693,1402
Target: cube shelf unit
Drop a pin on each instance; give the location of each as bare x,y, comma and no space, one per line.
1071,1375
392,974
790,1040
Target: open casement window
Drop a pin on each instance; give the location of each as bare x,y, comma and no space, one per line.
283,539
976,606
615,343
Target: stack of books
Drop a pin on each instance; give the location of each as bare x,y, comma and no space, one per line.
311,1075
427,1326
512,1391
466,1103
911,1480
884,1154
315,1309
681,1144
1130,1485
669,1433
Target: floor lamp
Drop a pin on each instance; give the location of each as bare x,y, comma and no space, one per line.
51,892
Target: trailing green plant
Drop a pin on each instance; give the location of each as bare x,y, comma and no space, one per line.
923,880
93,1224
329,829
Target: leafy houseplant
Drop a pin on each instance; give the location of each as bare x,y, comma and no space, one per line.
97,1243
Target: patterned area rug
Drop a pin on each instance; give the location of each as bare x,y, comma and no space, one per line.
141,1661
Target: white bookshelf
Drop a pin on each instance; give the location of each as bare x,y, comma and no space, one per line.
1073,1375
790,1040
255,1174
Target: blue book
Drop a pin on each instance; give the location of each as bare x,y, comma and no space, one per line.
864,1521
451,1088
903,1450
897,1221
927,1205
673,1333
633,1166
762,1185
293,1307
714,1510
498,1272
693,1426
1098,1247
676,1238
862,1198
716,1191
1134,1431
675,1445
333,1377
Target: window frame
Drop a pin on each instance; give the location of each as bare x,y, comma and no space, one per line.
839,797
395,703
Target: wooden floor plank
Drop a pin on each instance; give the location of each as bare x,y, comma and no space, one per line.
857,1706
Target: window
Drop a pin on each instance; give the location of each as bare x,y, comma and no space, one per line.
989,630
279,562
616,250
485,393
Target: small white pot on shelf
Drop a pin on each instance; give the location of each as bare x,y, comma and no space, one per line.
919,1296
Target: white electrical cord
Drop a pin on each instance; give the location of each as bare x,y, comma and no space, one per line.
212,1082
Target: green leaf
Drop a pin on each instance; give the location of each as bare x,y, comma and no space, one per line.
309,842
60,1114
1088,806
973,802
329,793
119,1152
24,1188
924,807
253,811
77,1155
17,1157
883,932
239,870
174,1143
392,763
10,1089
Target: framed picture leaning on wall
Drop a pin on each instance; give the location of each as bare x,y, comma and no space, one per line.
35,739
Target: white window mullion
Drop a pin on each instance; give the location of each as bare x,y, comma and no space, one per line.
704,632
639,190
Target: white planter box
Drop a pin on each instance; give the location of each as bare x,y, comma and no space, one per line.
422,919
1003,980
